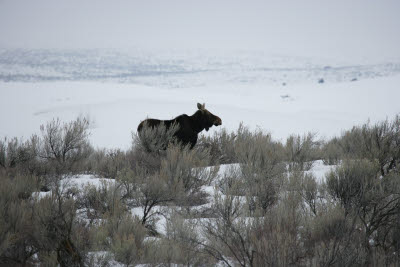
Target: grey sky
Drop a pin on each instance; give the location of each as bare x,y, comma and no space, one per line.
313,27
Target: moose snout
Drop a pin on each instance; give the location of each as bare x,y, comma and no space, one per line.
218,121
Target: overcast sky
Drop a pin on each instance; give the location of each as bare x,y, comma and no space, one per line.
313,27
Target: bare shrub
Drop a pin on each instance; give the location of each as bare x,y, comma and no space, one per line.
3,154
65,145
99,259
271,240
118,231
12,153
309,190
278,239
187,169
127,242
96,201
180,245
20,157
301,151
333,239
111,212
62,149
61,233
148,146
229,235
152,191
374,201
18,240
158,177
108,163
179,180
380,142
261,168
332,152
387,236
147,191
221,146
35,229
232,181
154,139
350,182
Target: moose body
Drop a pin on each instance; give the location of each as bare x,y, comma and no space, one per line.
188,127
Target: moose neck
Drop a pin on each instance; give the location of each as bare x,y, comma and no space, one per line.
197,122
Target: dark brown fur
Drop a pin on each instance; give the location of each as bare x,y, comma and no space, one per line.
188,126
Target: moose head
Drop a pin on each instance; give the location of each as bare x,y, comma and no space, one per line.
205,118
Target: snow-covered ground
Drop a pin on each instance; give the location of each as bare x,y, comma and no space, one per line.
319,170
278,94
160,213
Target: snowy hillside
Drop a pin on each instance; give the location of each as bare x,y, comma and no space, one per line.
173,69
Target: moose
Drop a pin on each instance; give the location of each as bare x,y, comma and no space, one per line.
188,127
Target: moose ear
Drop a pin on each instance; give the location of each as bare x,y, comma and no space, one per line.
200,106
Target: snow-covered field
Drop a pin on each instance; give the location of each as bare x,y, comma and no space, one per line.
278,94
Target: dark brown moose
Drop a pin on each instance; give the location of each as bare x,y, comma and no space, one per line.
188,127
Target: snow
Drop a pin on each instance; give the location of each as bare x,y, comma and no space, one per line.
319,170
40,195
98,256
83,180
80,181
280,95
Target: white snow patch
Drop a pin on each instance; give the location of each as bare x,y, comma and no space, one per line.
83,180
320,170
40,195
97,257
